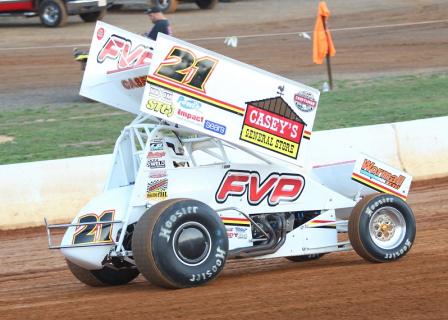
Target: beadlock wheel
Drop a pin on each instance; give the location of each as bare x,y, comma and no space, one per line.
382,228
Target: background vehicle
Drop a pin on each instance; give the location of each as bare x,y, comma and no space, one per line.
166,5
54,13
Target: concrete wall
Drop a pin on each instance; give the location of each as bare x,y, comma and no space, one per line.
57,189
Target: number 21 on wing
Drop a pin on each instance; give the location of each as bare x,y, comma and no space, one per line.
182,66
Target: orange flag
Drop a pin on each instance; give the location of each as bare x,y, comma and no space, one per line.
322,42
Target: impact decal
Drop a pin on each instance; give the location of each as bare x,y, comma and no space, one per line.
121,50
305,101
157,189
186,115
273,125
275,188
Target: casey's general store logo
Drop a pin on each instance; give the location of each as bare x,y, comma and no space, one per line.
121,50
273,125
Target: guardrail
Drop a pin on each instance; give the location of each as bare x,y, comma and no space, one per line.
58,189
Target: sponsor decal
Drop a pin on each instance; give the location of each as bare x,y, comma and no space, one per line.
156,145
134,83
121,50
156,163
215,127
157,174
381,177
237,232
100,33
195,95
156,154
369,169
157,189
188,103
273,125
275,188
161,94
160,100
305,101
241,229
190,116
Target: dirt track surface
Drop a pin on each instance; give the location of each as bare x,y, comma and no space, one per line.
45,74
35,284
34,281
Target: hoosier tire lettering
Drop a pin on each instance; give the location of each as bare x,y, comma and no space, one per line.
381,228
180,243
220,255
165,231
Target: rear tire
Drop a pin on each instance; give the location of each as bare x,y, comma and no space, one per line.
180,243
206,4
52,13
93,16
381,228
102,277
167,6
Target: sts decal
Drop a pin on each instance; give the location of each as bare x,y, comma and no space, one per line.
276,187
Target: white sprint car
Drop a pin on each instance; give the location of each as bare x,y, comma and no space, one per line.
214,168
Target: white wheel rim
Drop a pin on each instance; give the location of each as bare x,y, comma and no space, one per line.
50,14
387,228
205,232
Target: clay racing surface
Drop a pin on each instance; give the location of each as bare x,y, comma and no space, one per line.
34,281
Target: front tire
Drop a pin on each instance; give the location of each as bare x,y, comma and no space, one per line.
102,277
180,243
52,13
381,228
93,16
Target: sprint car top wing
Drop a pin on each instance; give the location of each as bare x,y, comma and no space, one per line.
117,67
232,101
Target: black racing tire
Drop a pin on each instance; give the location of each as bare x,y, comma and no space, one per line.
382,228
93,16
103,277
304,258
167,6
180,243
115,7
206,4
52,13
